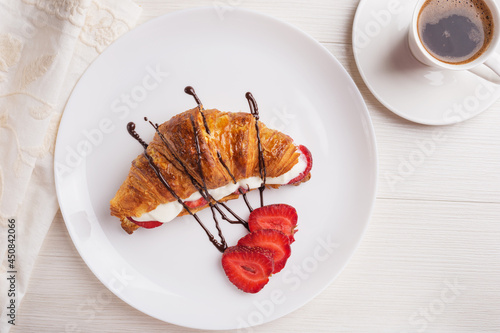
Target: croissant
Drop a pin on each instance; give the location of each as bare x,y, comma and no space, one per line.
219,150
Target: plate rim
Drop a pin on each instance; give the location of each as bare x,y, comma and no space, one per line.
369,130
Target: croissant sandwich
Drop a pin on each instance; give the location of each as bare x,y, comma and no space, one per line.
221,154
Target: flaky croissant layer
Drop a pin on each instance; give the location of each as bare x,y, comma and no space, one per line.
229,157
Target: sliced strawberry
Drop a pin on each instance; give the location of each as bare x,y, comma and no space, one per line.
145,224
241,190
248,268
273,240
196,203
279,217
309,160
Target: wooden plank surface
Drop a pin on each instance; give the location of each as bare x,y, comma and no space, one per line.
430,261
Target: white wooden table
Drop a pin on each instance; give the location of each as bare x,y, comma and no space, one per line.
429,262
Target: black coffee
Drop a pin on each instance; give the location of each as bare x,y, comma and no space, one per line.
455,31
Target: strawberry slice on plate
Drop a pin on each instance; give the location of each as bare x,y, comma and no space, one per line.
145,224
280,217
248,268
309,159
273,240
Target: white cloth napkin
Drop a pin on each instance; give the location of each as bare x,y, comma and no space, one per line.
45,46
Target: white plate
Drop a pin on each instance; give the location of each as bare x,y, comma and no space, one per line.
173,272
405,86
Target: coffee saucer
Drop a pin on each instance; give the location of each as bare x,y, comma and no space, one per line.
408,88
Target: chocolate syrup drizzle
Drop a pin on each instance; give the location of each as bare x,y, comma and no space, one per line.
254,110
196,184
222,246
198,151
133,133
202,188
190,91
202,175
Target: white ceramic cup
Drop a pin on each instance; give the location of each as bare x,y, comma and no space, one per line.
490,57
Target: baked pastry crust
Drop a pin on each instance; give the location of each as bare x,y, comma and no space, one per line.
232,134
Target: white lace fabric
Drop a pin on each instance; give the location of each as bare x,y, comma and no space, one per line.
45,46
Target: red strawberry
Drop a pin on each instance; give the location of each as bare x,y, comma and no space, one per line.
248,268
196,203
309,160
241,190
279,217
146,224
274,240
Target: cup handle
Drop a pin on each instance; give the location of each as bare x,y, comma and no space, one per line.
493,63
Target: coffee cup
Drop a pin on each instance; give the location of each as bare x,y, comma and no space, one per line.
456,34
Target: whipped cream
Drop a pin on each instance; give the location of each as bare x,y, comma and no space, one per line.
168,211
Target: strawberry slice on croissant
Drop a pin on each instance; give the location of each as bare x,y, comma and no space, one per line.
229,159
